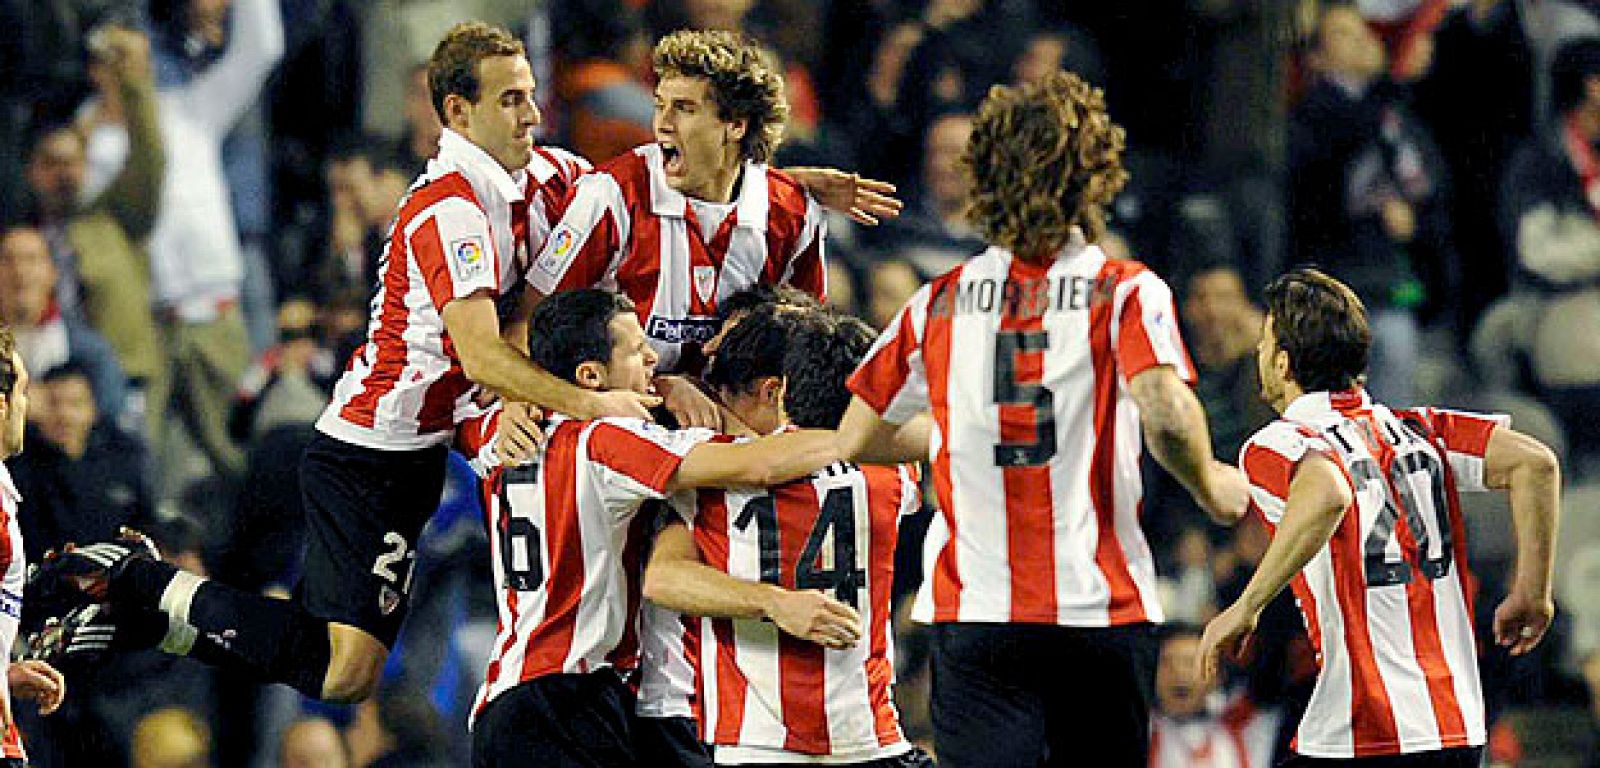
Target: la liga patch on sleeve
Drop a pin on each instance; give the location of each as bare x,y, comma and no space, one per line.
471,259
563,244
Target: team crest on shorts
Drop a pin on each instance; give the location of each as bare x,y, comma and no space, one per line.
470,257
388,600
705,282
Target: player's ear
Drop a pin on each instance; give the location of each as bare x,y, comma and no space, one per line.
735,130
1280,365
591,374
455,111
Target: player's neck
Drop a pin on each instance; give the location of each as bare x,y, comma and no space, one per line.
722,184
1287,394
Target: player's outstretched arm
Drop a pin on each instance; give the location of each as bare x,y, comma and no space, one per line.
1179,438
487,359
865,436
677,579
1318,498
1531,472
771,460
865,201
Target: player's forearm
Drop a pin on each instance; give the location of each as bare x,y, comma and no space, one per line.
501,368
1314,510
772,460
1177,435
910,443
1535,513
694,588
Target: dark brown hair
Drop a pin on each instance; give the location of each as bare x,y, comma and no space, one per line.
453,68
1321,323
745,83
1043,158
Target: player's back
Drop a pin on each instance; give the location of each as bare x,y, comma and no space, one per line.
1036,460
558,534
763,691
1387,602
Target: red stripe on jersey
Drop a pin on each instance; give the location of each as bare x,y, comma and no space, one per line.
650,464
551,641
937,353
500,527
626,655
880,377
1135,353
1463,434
594,256
388,344
712,513
1030,501
1371,716
639,276
886,494
1308,606
1269,470
806,270
1124,606
800,663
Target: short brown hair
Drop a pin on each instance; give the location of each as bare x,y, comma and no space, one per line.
745,83
8,368
453,68
1321,323
1043,158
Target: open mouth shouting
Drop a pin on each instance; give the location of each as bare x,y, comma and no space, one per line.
672,158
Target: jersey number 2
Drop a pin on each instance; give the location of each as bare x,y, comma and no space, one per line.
1399,497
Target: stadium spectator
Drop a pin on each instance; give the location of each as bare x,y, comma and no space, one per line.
892,281
171,738
98,246
395,731
1195,725
604,56
312,742
84,478
1188,591
364,189
1366,194
1065,49
46,336
1551,205
1223,327
419,140
1013,434
934,233
197,264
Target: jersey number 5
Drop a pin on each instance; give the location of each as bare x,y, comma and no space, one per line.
1009,389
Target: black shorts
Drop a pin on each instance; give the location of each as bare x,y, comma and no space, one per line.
1461,757
670,742
558,721
364,511
916,758
1034,694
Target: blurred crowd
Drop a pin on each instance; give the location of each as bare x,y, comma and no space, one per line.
197,190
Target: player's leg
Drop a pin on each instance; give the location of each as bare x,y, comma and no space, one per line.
670,741
558,721
985,704
1102,685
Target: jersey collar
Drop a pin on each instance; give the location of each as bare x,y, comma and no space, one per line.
480,169
1314,406
665,201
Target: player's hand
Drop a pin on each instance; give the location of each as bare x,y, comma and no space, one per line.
1228,634
519,437
814,616
620,402
865,201
127,51
1521,621
1227,496
37,681
690,405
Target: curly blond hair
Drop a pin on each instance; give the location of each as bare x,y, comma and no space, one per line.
1043,158
745,82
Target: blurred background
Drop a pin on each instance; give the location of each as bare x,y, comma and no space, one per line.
196,191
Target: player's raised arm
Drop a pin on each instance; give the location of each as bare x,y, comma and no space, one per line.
1179,438
768,461
677,579
1527,468
1319,494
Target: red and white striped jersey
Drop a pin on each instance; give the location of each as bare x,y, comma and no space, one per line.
764,696
1037,439
465,226
1240,736
626,230
1387,602
13,574
558,532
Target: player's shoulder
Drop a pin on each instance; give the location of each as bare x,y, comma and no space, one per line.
631,168
553,166
786,192
1286,439
446,193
